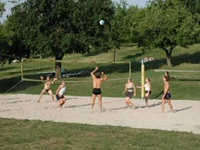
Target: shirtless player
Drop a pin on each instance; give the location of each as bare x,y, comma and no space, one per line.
97,81
166,98
47,87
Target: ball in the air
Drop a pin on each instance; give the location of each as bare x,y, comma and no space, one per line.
101,22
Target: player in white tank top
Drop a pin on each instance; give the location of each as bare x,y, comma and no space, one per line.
60,94
147,87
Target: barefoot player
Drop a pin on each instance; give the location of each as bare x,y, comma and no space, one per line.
166,98
60,94
97,82
47,87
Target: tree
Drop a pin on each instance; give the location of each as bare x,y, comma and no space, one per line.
125,18
57,27
2,8
193,6
167,24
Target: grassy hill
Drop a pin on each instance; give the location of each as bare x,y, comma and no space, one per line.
185,85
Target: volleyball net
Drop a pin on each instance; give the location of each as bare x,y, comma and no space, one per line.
73,71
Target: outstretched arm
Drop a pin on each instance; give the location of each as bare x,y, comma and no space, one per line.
139,87
42,79
53,80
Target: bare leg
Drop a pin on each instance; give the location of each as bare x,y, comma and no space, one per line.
43,91
51,93
93,101
100,101
62,101
163,104
128,102
147,100
170,104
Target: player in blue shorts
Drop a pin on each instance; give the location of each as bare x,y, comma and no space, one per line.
166,98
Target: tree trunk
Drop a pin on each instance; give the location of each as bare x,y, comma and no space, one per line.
169,63
168,56
58,66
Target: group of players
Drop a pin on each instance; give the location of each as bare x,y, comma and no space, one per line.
98,78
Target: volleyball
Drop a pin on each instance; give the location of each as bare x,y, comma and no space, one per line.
101,22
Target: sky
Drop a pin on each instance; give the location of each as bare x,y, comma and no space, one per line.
140,3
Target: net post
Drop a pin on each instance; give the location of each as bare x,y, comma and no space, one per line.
142,78
22,76
129,70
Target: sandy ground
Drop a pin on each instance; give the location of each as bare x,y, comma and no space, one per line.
78,110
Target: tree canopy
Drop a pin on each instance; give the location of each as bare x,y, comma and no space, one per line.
52,28
167,24
57,27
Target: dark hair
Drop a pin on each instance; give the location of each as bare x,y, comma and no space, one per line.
98,75
167,75
167,78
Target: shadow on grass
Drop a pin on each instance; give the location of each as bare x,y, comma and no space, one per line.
158,95
187,58
157,63
94,53
6,68
6,84
132,57
15,85
188,79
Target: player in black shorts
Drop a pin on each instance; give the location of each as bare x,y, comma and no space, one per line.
97,81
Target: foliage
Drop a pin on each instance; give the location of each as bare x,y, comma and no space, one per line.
125,19
192,6
167,24
2,8
57,27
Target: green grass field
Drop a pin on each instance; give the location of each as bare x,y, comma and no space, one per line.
26,134
185,86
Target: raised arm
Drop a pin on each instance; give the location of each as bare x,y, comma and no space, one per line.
92,73
42,79
105,76
53,80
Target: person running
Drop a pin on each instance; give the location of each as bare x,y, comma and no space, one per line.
47,87
130,90
97,82
60,94
147,87
166,98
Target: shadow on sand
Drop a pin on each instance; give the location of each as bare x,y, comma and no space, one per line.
182,109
